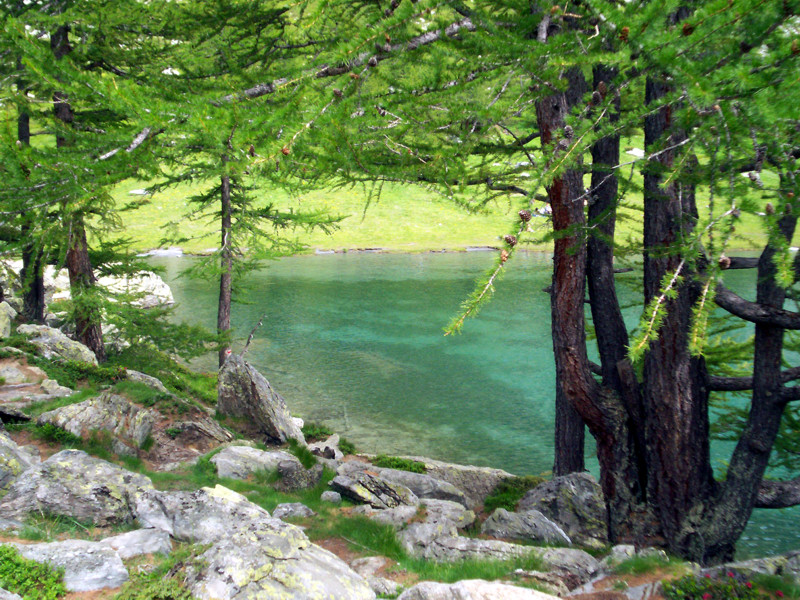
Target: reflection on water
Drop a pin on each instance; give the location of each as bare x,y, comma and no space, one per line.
355,341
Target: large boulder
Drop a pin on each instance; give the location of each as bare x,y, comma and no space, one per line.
239,462
529,525
148,289
246,395
73,484
139,542
14,460
6,595
53,343
575,503
423,485
251,554
364,487
5,323
130,424
471,589
475,482
88,566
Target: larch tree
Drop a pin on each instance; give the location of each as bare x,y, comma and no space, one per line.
489,100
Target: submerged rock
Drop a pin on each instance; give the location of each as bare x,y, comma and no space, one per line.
53,343
244,393
73,484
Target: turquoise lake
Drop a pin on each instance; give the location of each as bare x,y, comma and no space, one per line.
355,341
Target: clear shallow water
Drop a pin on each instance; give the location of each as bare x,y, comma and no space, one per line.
355,341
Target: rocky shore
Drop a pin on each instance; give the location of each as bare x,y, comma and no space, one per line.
133,508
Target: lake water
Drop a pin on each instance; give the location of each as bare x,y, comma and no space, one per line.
355,341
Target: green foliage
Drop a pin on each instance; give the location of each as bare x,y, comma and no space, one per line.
314,432
55,435
145,395
362,535
347,447
450,572
266,476
173,432
37,408
144,586
727,586
636,565
29,579
303,454
777,586
70,373
395,462
510,491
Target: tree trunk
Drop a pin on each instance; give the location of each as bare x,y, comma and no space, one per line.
680,477
224,307
81,276
32,273
573,378
722,526
81,280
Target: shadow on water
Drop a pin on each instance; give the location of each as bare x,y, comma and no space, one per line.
355,341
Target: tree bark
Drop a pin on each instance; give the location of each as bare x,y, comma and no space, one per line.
81,275
226,258
680,477
32,273
573,377
740,493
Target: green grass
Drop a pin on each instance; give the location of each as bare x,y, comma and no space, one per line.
395,462
314,432
303,454
637,565
35,409
510,491
48,528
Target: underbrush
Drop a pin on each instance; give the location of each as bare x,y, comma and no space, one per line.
29,579
636,565
163,581
401,464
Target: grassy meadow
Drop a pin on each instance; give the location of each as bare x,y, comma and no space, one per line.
403,218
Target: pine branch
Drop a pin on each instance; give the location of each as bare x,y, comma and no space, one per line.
755,312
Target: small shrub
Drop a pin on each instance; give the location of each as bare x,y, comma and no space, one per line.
314,432
402,464
55,435
728,586
2,380
146,586
173,432
148,443
346,446
510,491
304,455
29,579
69,373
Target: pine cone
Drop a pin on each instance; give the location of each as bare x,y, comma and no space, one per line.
525,215
511,240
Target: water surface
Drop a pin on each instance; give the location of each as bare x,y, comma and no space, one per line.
355,341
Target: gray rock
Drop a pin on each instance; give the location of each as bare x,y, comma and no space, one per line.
618,554
369,565
792,566
575,503
294,476
328,448
397,517
107,412
11,525
73,484
141,541
52,343
239,462
292,510
13,460
528,525
6,595
251,553
423,485
87,565
147,380
548,582
6,308
367,488
54,389
332,497
578,563
16,373
245,394
203,431
5,324
471,589
475,482
450,548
